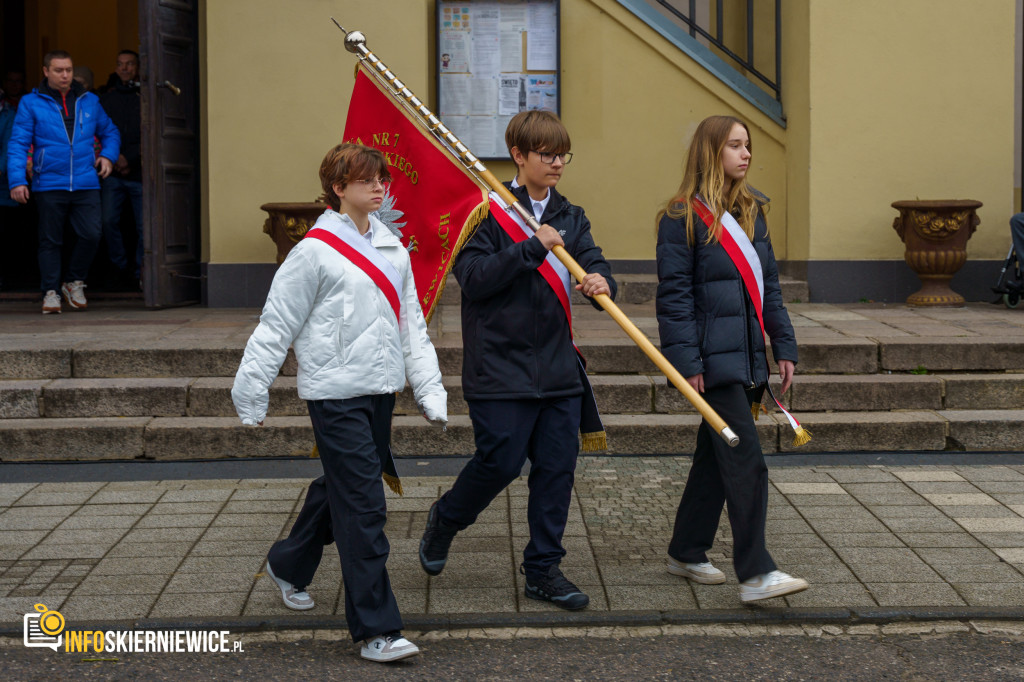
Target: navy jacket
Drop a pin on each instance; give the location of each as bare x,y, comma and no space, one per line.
61,161
123,105
706,320
515,337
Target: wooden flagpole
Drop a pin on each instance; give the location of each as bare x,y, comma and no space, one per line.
355,42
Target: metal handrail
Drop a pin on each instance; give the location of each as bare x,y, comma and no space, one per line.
747,63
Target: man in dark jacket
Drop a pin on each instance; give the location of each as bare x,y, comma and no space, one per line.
521,375
59,120
122,103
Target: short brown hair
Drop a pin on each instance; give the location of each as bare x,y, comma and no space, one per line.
537,131
55,54
347,163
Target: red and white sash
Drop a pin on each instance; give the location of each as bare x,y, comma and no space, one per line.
552,270
743,255
557,277
354,246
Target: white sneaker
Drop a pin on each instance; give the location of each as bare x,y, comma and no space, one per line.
51,302
768,585
75,293
293,599
388,648
703,573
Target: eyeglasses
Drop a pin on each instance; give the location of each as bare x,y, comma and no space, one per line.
372,183
550,158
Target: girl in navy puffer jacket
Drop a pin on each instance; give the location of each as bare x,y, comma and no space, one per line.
710,332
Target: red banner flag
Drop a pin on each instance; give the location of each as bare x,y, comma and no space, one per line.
433,203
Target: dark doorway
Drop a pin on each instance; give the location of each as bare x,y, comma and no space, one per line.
165,34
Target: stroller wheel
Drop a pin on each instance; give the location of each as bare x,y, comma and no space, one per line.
1011,299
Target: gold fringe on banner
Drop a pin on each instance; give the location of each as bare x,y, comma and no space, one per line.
472,222
315,453
755,410
594,442
801,437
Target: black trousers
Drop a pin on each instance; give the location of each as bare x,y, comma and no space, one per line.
82,208
507,433
721,474
346,505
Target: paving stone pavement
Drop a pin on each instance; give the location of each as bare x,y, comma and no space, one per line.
898,537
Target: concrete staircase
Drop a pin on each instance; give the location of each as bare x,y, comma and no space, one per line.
115,384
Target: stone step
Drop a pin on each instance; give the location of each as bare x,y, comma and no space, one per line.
641,288
172,438
616,394
616,355
605,355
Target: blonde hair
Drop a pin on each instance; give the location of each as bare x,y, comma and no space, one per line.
704,175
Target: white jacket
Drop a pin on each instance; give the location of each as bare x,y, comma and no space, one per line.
343,329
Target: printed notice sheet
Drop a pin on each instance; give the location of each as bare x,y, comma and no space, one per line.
495,59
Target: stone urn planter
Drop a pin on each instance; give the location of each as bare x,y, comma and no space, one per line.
288,223
935,234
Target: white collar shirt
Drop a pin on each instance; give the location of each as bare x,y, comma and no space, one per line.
537,206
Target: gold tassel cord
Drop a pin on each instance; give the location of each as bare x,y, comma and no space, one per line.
394,483
594,442
755,410
801,437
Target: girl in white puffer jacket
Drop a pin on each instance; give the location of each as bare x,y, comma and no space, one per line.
345,299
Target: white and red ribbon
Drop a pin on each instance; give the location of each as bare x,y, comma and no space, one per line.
349,243
743,255
552,270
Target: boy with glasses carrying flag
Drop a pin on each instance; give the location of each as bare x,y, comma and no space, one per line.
522,376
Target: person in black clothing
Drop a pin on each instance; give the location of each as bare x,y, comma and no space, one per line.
710,332
122,103
521,375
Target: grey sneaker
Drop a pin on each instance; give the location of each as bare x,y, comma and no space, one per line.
74,292
703,573
298,600
768,585
51,302
388,648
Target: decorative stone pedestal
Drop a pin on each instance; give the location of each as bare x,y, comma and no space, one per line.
935,234
288,223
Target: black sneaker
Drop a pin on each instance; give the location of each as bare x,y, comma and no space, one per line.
437,538
556,588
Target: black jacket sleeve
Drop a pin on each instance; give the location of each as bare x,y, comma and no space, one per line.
590,257
675,304
489,261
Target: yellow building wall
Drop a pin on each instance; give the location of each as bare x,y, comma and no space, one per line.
884,101
277,82
905,100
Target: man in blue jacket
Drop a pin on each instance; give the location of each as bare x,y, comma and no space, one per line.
58,121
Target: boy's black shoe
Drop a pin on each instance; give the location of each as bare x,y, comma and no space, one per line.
437,538
556,588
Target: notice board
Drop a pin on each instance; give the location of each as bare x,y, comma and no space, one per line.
495,58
